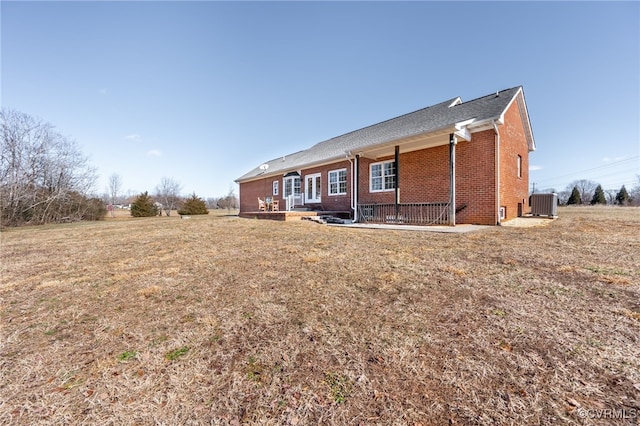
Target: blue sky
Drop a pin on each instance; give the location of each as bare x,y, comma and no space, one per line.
202,92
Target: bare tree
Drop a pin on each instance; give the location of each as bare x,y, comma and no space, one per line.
42,173
635,192
115,185
586,188
212,203
168,194
611,196
563,197
230,201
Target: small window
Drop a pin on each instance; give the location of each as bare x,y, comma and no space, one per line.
338,182
382,176
275,187
519,166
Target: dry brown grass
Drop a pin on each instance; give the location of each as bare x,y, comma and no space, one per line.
220,320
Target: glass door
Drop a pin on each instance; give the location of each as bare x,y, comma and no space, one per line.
292,193
312,188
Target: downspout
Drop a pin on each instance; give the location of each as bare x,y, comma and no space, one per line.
497,139
356,188
353,188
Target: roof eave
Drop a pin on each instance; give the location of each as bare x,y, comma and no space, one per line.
499,120
284,171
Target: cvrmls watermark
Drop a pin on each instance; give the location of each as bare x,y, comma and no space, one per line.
607,413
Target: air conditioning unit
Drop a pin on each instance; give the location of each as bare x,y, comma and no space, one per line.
544,205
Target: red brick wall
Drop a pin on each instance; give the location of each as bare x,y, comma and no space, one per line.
513,189
333,202
476,179
250,191
424,178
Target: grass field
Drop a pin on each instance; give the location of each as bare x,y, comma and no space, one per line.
221,320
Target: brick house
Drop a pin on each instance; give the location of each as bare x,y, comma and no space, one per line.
451,163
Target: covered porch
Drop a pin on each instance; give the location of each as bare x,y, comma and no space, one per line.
394,209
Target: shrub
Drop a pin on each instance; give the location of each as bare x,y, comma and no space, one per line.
598,196
623,197
193,205
143,206
575,196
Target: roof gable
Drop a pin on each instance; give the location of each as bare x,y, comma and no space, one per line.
441,116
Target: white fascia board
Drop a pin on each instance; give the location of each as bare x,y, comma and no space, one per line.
462,130
434,132
483,125
463,133
526,122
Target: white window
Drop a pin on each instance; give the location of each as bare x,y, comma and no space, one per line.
291,186
519,166
312,188
382,176
275,187
338,182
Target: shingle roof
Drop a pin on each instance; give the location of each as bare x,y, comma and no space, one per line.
425,120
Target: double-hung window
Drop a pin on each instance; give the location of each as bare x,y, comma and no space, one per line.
275,187
338,182
382,176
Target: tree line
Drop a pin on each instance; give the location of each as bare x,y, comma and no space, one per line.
45,178
586,191
167,199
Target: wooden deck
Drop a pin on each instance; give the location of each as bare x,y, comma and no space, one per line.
293,215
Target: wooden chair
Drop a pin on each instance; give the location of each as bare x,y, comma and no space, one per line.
261,205
275,206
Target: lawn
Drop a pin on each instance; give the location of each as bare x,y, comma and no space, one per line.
222,320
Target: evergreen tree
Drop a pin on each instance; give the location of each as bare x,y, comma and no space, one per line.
143,206
575,197
623,196
598,196
193,205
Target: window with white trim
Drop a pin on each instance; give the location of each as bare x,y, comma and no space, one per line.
276,185
338,182
382,176
291,186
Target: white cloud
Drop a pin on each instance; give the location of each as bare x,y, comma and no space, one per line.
154,153
609,159
133,137
102,91
533,168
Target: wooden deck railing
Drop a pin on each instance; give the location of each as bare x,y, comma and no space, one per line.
406,213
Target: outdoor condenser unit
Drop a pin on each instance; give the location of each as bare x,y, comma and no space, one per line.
544,205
